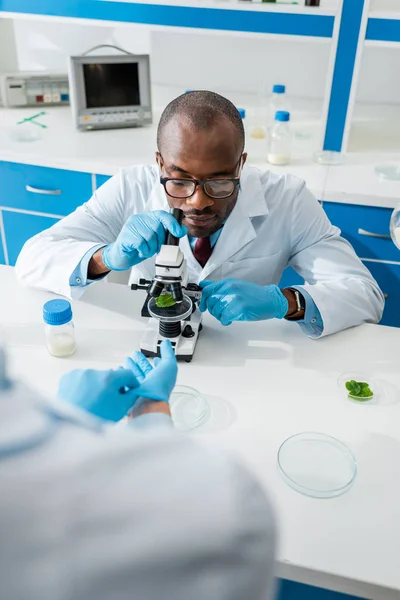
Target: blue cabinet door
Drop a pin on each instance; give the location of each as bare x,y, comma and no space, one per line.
19,227
289,278
388,278
291,590
44,190
100,179
366,228
2,253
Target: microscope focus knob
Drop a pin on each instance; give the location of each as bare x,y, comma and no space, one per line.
188,332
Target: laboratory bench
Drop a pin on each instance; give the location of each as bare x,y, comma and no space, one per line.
44,180
264,382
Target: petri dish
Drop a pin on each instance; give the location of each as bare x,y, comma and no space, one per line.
358,376
173,314
317,465
390,172
329,157
189,408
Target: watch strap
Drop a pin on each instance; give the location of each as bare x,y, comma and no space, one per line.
300,305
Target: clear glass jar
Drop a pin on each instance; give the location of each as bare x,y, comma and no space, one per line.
59,328
60,339
280,140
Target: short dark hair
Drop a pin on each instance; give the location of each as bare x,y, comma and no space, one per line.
202,109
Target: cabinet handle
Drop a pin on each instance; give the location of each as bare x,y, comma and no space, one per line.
34,190
381,236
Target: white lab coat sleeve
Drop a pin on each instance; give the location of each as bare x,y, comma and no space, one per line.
342,288
123,513
48,260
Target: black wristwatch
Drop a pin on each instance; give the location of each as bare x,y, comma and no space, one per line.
300,306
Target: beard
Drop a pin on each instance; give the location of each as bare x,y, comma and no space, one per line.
220,217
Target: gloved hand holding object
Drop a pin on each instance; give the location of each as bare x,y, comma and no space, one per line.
155,382
109,395
235,300
112,394
140,238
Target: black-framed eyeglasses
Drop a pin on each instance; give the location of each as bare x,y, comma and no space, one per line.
218,189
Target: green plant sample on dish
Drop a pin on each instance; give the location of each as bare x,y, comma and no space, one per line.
165,301
359,390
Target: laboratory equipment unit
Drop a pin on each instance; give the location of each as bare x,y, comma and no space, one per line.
171,303
109,92
34,89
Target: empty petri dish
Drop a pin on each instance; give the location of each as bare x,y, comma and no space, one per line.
317,465
390,172
349,385
329,157
189,408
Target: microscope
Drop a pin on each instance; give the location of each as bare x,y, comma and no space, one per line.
178,317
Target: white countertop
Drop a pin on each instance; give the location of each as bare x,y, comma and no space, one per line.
104,152
265,382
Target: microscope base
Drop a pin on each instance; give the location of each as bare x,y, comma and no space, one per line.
184,346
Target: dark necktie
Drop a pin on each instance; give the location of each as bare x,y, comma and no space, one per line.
202,250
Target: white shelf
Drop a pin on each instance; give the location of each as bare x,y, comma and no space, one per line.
327,8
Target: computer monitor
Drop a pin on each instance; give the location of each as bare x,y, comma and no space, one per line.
108,92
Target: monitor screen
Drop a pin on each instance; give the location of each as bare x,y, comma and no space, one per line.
113,84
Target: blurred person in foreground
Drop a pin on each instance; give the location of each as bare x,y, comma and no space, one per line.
89,511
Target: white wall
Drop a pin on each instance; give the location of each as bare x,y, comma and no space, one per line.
225,63
46,45
8,54
184,59
380,75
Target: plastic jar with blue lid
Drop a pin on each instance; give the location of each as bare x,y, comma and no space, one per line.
59,328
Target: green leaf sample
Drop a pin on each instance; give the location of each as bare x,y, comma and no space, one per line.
165,301
359,390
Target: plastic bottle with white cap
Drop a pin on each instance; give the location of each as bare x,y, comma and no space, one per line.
59,328
280,140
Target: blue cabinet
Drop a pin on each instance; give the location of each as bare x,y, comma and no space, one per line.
2,257
19,227
100,179
366,228
41,189
291,590
388,277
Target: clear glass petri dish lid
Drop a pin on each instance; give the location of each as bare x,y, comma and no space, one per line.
317,465
189,408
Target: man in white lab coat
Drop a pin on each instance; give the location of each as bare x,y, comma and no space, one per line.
243,226
89,512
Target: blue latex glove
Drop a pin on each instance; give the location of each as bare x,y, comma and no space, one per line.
109,395
155,382
141,237
235,300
